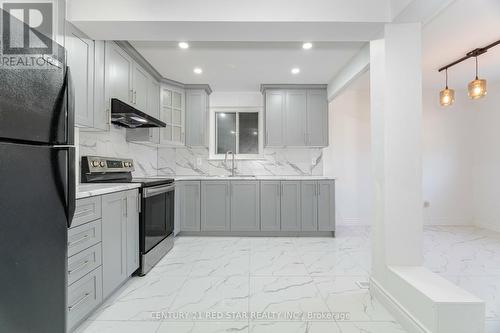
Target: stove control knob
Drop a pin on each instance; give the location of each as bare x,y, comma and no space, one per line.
95,164
102,164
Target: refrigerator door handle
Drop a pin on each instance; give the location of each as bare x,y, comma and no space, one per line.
70,108
71,181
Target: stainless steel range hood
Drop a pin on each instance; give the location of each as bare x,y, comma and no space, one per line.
127,116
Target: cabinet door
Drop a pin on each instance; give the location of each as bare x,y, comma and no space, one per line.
114,240
317,118
154,109
290,205
215,210
189,205
81,63
275,109
118,74
270,205
141,83
245,205
196,117
132,231
326,205
295,125
102,114
309,205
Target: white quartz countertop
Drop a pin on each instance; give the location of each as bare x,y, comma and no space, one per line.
90,190
179,178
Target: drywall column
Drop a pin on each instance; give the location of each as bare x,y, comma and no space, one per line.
421,300
396,83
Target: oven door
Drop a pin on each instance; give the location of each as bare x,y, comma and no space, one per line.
157,216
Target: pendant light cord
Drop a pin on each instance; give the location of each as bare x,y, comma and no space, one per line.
446,78
476,69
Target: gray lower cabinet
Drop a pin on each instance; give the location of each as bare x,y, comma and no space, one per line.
270,205
114,244
290,206
245,205
83,296
215,206
189,205
326,205
309,205
132,205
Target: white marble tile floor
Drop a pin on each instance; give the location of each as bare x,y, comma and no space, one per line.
293,285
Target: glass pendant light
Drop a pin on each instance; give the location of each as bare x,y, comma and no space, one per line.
477,87
446,96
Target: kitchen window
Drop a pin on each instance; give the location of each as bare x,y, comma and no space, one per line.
237,131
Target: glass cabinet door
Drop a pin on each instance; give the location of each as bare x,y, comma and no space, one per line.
172,112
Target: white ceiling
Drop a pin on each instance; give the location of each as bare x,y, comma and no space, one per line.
243,66
460,28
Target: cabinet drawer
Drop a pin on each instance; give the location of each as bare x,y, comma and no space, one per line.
87,209
83,297
83,263
83,237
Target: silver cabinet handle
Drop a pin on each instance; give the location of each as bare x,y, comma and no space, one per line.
80,240
319,189
267,137
139,204
79,267
135,96
80,301
131,96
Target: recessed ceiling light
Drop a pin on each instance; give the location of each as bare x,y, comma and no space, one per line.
183,45
307,46
295,70
197,70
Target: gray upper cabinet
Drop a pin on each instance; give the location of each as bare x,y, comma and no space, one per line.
275,112
189,205
309,206
326,205
141,84
290,206
80,51
245,205
196,118
317,118
119,74
270,205
102,114
132,206
215,206
296,117
114,241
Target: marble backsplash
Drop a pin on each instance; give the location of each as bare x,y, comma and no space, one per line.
182,161
113,144
185,161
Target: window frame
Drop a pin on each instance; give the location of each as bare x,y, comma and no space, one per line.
213,133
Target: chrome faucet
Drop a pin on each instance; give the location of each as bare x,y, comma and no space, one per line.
232,164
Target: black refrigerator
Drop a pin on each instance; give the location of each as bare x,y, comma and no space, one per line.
37,195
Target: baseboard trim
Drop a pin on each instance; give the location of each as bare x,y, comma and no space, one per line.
259,233
485,225
399,312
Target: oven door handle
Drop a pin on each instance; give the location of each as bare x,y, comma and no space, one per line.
152,191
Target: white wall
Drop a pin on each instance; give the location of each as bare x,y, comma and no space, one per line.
486,163
348,156
448,152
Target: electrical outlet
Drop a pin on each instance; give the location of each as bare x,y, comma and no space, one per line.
313,162
427,204
198,162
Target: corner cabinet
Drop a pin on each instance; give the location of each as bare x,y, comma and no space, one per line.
296,117
197,104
